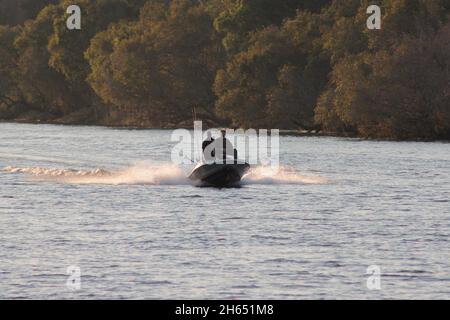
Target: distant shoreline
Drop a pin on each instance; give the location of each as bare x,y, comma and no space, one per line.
283,132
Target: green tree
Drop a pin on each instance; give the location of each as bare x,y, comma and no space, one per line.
44,89
9,93
400,93
159,67
67,47
276,80
14,12
382,81
239,18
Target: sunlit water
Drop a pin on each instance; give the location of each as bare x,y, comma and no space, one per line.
111,202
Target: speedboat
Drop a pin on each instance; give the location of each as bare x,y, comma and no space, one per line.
219,174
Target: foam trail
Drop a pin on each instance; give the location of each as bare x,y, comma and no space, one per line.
282,175
159,174
137,174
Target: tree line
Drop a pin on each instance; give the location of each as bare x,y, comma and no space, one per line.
292,64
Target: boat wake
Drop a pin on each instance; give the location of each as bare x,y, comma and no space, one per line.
157,174
280,176
140,174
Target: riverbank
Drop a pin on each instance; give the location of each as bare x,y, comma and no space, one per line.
134,126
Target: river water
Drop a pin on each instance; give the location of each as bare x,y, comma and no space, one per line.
109,205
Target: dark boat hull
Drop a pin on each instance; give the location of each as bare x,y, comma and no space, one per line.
219,175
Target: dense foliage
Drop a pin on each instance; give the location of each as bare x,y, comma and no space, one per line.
292,64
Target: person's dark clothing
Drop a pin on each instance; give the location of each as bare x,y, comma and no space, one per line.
207,143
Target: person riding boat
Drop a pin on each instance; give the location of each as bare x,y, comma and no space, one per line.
208,148
218,150
209,139
220,166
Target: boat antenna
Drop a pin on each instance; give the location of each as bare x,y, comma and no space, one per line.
189,159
